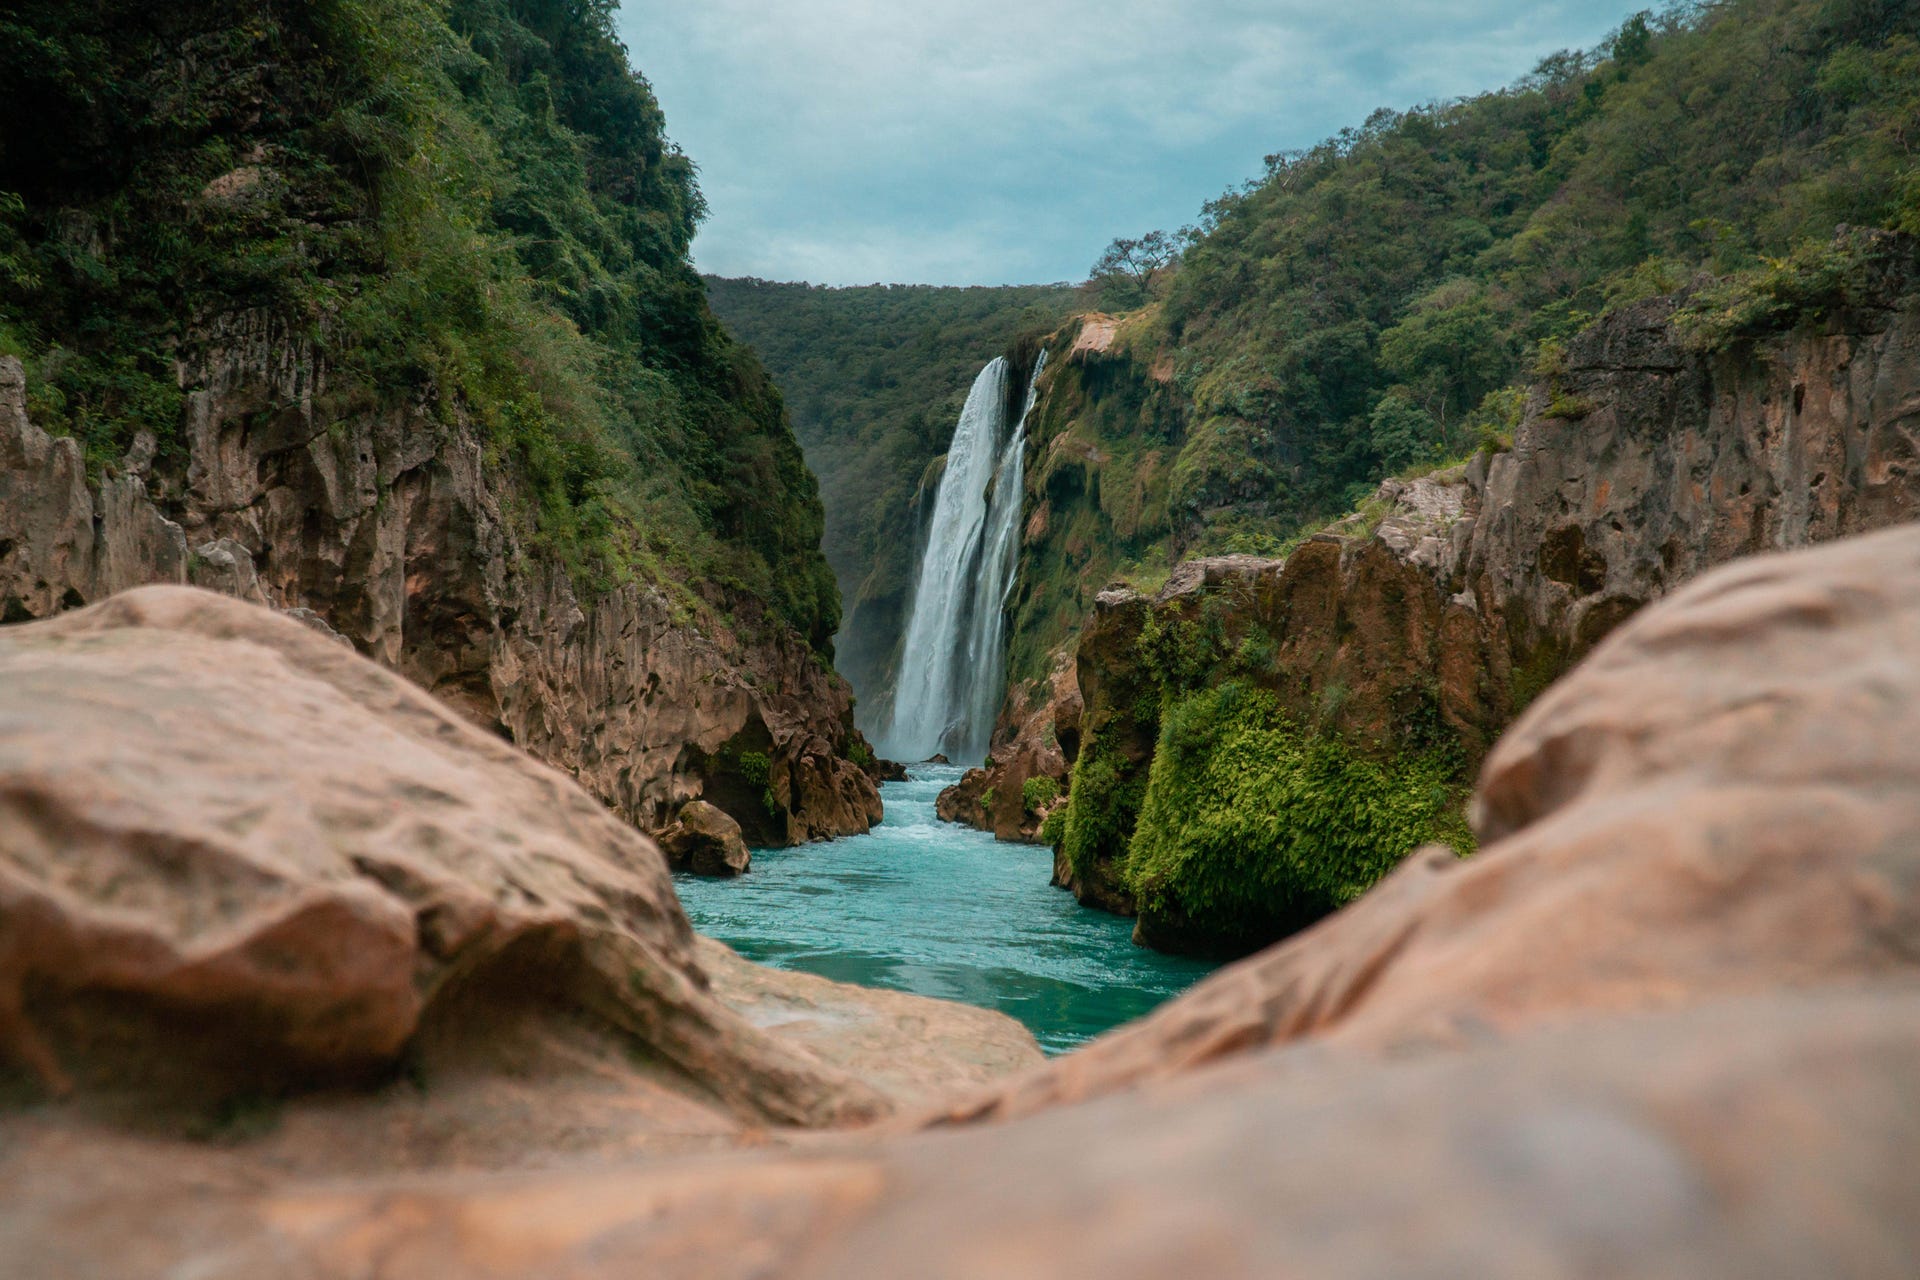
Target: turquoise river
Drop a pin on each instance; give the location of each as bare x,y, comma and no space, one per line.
936,909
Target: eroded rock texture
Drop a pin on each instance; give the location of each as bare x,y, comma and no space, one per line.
393,529
236,857
1030,743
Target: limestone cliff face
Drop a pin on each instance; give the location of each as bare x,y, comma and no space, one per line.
395,530
1637,467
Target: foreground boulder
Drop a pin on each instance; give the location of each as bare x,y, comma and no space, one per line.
1663,1024
236,859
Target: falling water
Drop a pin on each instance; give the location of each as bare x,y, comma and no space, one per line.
952,663
1000,553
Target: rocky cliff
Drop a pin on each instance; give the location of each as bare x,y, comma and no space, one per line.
395,531
383,313
1431,618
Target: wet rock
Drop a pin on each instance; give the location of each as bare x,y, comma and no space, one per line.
705,841
1025,776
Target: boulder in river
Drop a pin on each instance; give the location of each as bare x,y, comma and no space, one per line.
705,841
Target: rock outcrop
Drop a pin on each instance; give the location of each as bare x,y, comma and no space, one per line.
394,530
705,841
1664,1023
1459,596
237,858
1025,775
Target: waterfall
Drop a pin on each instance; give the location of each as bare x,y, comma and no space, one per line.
953,662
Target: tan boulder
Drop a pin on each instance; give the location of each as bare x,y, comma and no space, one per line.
1665,1023
705,841
235,856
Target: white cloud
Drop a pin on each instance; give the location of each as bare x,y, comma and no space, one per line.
996,140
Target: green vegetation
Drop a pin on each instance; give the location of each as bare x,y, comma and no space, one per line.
1349,313
1227,801
1103,803
1374,306
469,207
1251,827
875,377
1039,791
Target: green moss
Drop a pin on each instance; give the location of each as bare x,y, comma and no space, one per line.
1103,800
1252,827
1053,831
755,767
1543,664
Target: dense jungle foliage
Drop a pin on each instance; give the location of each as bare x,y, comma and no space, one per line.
1362,307
469,206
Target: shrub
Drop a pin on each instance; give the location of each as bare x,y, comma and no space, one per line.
1102,801
1038,792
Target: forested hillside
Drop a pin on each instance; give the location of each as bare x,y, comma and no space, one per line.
875,377
1372,305
470,206
1634,260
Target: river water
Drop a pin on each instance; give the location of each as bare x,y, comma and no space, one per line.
941,910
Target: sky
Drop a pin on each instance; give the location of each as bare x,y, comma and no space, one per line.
1008,141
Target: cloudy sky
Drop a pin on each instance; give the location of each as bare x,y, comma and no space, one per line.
1002,141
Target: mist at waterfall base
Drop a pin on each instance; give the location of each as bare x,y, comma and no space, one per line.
937,909
952,668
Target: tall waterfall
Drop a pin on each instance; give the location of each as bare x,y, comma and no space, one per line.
953,663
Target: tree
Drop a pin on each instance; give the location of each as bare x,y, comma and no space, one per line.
1401,432
1125,273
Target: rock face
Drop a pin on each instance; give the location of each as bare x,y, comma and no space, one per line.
234,857
393,530
1479,586
705,841
1664,1024
1003,797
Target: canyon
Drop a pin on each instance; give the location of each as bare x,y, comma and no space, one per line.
395,535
